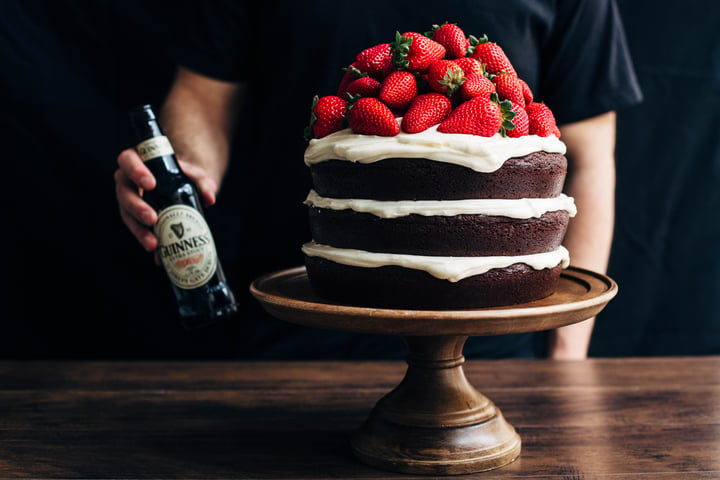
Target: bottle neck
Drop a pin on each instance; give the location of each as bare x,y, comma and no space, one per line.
144,123
157,150
165,162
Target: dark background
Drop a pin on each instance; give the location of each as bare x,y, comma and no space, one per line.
79,285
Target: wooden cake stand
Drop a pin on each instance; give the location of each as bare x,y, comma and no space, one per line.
434,422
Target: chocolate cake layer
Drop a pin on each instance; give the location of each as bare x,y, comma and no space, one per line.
458,235
536,175
396,287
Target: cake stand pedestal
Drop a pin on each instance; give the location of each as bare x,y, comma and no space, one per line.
435,422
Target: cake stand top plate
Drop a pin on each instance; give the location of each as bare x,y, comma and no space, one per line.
581,294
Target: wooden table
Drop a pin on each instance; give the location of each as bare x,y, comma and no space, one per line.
603,418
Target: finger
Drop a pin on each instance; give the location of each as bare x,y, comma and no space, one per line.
130,201
206,185
207,190
143,234
135,169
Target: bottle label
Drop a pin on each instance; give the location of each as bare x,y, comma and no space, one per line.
154,147
186,247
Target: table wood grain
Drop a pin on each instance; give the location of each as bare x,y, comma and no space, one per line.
652,418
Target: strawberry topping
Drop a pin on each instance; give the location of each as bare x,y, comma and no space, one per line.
462,84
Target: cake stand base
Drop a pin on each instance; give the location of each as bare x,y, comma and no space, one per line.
434,422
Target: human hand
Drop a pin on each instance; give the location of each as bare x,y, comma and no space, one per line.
133,177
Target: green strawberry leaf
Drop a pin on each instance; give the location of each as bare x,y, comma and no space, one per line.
399,50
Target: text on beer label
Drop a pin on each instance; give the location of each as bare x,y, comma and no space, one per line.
185,246
154,147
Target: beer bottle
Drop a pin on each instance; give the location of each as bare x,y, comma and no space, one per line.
186,247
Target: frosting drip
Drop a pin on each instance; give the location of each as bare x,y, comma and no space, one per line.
514,208
482,154
452,269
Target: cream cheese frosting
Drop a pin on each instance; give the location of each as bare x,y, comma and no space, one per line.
452,269
482,154
514,208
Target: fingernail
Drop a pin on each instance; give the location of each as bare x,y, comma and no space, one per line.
147,183
206,190
150,243
148,218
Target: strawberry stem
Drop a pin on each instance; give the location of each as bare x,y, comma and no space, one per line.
474,42
308,132
399,50
452,81
507,114
435,28
355,71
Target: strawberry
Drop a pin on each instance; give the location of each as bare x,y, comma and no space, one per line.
480,116
363,86
527,93
351,74
326,117
370,116
475,85
450,36
509,87
445,76
425,111
398,89
374,61
542,120
491,54
521,122
470,65
414,52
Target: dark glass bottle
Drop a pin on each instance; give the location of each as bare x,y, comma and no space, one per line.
186,247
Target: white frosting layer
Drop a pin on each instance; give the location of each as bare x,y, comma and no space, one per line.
513,208
482,154
452,269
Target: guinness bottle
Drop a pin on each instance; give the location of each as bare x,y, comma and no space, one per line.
186,247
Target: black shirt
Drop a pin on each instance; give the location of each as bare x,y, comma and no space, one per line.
665,252
77,283
571,53
80,283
